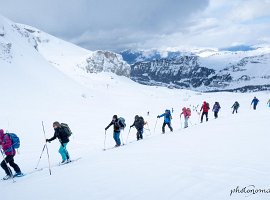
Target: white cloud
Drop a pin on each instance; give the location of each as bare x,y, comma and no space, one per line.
226,23
104,23
119,24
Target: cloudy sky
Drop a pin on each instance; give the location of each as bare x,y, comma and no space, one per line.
121,24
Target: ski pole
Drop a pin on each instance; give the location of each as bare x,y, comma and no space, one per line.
155,126
8,167
105,141
122,137
181,122
47,149
40,156
149,129
128,135
190,123
199,115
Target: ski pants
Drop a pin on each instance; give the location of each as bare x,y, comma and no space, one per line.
186,122
139,134
163,126
63,151
116,137
10,160
216,114
254,106
206,115
234,110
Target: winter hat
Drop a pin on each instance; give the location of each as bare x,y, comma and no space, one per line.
56,124
115,117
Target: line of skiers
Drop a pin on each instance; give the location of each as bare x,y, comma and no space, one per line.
139,122
62,132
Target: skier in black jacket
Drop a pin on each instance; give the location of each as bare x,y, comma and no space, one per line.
138,123
116,130
60,133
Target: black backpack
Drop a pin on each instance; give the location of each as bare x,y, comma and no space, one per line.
121,123
66,129
139,123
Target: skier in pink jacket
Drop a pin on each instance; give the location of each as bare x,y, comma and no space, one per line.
9,151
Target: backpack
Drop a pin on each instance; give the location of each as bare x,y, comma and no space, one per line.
207,104
15,140
66,129
121,123
140,123
188,111
168,114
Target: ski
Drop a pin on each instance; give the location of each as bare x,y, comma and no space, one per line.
71,161
13,176
18,175
114,147
42,168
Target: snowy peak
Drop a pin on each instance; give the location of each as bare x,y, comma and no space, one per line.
66,57
70,58
105,61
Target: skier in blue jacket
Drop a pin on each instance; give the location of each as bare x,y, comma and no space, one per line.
216,109
255,101
167,120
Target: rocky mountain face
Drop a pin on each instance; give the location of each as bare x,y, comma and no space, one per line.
221,71
106,61
184,72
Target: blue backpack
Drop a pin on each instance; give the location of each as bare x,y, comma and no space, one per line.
15,140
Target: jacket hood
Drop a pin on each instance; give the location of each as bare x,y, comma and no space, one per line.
2,134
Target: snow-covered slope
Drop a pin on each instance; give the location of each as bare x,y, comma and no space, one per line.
71,59
211,158
204,161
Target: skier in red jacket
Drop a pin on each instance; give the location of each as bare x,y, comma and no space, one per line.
205,107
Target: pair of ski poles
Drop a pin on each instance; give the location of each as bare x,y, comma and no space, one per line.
45,146
148,129
104,145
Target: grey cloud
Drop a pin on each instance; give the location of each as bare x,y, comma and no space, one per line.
104,24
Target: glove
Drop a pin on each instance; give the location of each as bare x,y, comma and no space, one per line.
105,129
158,116
47,140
